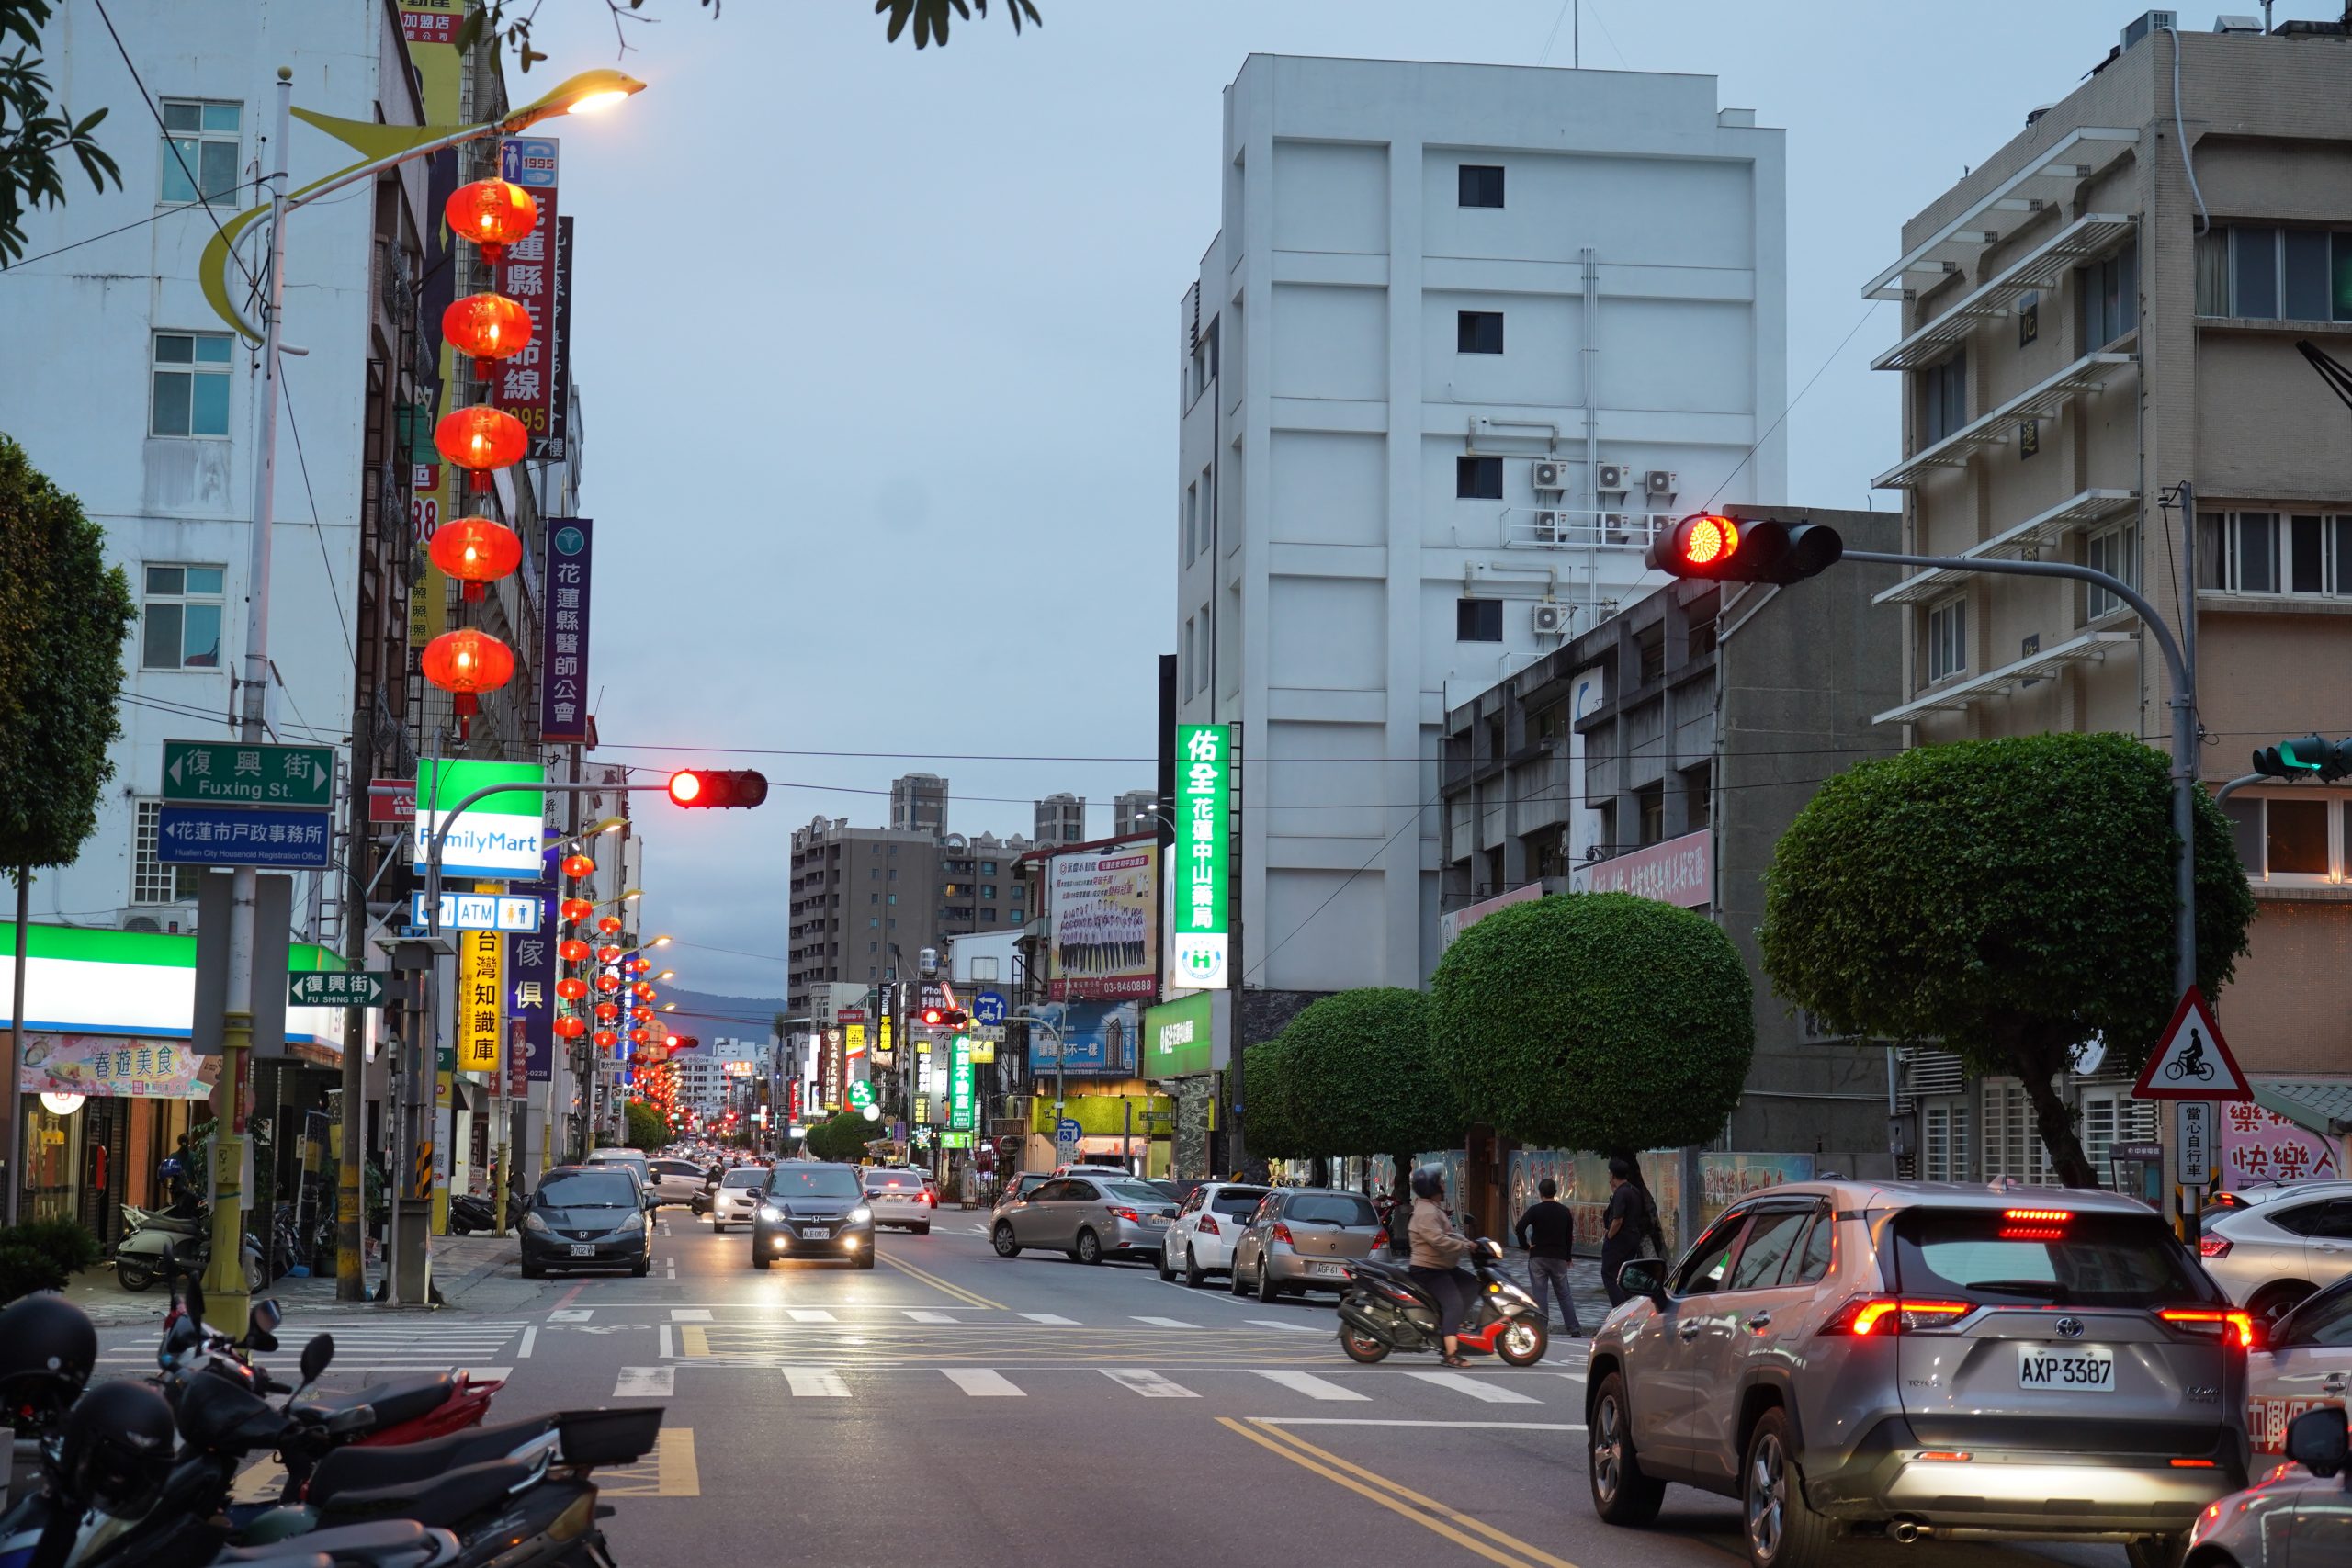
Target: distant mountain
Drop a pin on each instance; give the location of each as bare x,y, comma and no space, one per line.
710,1017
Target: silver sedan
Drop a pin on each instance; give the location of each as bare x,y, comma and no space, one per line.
2271,1254
2297,1514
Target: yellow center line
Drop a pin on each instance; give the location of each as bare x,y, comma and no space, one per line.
694,1340
1412,1496
680,1476
936,1284
1385,1501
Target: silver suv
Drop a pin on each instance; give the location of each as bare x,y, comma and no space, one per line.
1917,1359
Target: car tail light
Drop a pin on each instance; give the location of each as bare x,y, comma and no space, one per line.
1208,1226
2194,1464
2213,1246
1127,1215
1867,1315
1281,1233
1945,1456
2034,1224
2220,1322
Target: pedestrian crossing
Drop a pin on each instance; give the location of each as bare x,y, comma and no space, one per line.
439,1344
1558,1393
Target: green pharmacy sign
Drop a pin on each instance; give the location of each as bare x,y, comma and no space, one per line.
960,1083
1203,796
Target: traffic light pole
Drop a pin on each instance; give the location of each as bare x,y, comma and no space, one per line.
2182,666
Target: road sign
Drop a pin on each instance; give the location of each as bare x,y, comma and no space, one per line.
2193,1142
2191,1060
1067,1133
225,773
243,835
335,987
482,912
391,802
988,1009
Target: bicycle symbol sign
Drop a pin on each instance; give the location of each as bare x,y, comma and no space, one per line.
2191,1060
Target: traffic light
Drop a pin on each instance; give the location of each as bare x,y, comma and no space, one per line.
2314,756
1727,549
944,1017
685,1043
718,786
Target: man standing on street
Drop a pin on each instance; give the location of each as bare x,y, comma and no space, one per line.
1545,1230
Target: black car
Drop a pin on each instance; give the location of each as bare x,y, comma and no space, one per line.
588,1216
809,1210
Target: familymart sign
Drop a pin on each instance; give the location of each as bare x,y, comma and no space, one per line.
500,836
1203,795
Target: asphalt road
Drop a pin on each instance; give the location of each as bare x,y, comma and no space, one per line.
952,1406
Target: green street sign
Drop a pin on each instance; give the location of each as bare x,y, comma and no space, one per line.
336,988
226,772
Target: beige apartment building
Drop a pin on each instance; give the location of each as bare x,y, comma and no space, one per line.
2090,323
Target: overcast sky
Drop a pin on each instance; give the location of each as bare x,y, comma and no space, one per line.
879,357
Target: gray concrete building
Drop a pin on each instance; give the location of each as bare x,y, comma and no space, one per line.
859,893
919,804
1061,820
1135,811
1663,753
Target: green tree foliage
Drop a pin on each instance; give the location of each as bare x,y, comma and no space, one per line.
63,613
34,132
1362,1076
2007,899
1595,1021
1268,1132
40,1255
646,1130
842,1136
508,22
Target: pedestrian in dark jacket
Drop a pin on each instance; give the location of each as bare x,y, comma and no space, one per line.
1546,1231
1629,1227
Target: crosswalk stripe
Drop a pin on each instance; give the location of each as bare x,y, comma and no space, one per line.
809,1314
815,1382
1165,1322
1145,1381
1050,1319
647,1382
1294,1328
921,1316
1475,1389
982,1384
1312,1386
689,1315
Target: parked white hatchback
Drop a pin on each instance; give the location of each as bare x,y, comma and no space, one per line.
1201,1237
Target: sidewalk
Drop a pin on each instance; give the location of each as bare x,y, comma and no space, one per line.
475,1273
1584,1283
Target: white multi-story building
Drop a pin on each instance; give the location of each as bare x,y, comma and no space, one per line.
1466,333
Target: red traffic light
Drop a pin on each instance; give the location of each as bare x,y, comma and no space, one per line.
944,1017
718,787
1725,549
1706,540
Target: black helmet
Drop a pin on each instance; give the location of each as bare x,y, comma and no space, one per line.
47,1349
118,1447
1429,1181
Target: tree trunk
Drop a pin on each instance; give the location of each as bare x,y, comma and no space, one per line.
1318,1170
2039,1064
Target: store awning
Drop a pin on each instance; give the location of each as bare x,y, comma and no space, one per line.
2323,1107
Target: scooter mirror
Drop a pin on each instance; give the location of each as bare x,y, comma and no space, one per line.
268,1314
317,1356
1492,1248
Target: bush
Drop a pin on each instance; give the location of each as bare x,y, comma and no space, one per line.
1362,1076
842,1136
42,1255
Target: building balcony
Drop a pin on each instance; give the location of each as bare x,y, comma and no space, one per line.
1998,426
1960,694
2085,510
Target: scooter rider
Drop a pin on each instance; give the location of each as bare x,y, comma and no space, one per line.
1437,1248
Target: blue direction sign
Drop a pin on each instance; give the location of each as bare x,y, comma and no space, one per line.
243,835
1067,1133
988,1009
481,912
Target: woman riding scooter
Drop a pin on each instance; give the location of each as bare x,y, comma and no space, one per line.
1437,1248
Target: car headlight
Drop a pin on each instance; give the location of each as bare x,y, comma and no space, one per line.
770,1212
531,1221
860,1215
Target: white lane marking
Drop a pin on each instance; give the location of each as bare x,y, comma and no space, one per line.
1145,1381
931,1316
570,1315
815,1382
811,1315
1164,1321
1366,1421
647,1382
530,1337
1475,1389
665,1334
1312,1386
982,1384
488,1375
673,1269
1050,1319
689,1315
1294,1328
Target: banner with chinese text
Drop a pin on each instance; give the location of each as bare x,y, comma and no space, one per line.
481,965
522,384
563,665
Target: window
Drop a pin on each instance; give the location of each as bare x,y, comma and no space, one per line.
2115,551
894,898
1943,398
987,868
2112,1117
1943,1143
2254,273
1651,803
1649,651
1766,1251
1477,620
2108,294
2013,1145
200,150
1947,639
1190,626
1697,787
1191,523
1478,332
988,890
1482,184
1711,1259
2265,273
1813,1263
180,619
988,914
153,882
191,385
2237,552
2294,836
1478,478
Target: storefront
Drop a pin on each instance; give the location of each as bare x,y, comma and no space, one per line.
1180,1058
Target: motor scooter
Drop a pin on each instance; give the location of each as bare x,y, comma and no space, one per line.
139,1257
1384,1309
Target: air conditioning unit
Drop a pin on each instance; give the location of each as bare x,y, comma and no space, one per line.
1658,481
2148,23
1016,1106
1612,478
1550,619
1619,527
147,925
1551,474
1549,526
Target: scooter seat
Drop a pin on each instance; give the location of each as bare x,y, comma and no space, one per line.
180,1225
381,1542
395,1400
444,1502
408,1465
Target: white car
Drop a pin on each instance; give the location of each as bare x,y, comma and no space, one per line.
899,1197
675,1180
2303,1362
2271,1254
1201,1237
736,1202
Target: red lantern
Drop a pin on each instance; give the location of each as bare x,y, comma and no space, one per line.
475,551
644,991
606,954
606,1040
571,1028
488,327
493,214
572,950
463,663
607,1011
636,1036
571,987
610,925
481,438
608,984
575,910
577,866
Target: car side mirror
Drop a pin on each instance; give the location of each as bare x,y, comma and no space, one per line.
2315,1439
1643,1277
652,1201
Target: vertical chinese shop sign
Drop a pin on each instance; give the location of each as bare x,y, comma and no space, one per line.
564,681
1203,792
524,385
481,960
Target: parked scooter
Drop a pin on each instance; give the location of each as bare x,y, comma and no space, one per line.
139,1257
1384,1310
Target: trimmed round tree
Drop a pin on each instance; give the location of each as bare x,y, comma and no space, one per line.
1364,1077
2009,900
1269,1129
842,1136
1595,1021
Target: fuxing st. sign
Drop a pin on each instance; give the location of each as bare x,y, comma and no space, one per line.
223,772
1203,795
336,988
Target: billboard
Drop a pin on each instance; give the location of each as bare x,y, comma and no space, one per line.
524,385
1100,904
1099,1038
481,1010
1204,794
563,661
500,836
1679,871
